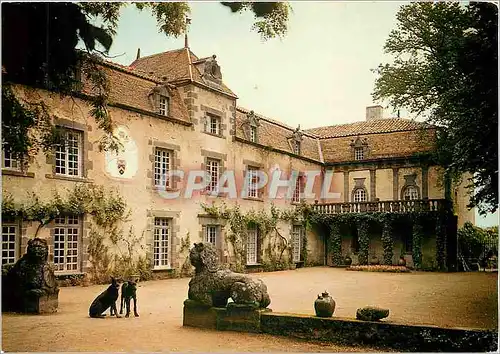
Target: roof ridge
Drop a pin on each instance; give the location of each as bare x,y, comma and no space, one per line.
156,54
372,121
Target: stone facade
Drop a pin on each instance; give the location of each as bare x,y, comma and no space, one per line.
165,109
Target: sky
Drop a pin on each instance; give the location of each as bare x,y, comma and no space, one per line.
318,75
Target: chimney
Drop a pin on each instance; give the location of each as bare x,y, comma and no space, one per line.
374,113
138,53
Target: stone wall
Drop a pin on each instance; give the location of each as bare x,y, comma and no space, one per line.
404,338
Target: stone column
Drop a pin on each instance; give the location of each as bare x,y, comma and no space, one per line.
425,182
373,184
395,184
346,187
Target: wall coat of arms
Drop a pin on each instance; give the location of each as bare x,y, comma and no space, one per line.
124,164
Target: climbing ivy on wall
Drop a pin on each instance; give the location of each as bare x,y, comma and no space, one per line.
266,222
387,238
388,221
440,241
418,233
336,244
107,210
364,241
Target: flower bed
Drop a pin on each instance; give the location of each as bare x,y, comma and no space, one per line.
379,268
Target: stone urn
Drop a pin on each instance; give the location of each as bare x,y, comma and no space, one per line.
374,260
402,261
348,260
324,305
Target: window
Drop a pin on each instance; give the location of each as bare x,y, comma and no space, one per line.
211,234
213,172
252,246
297,233
214,124
296,147
9,243
253,134
359,153
10,162
163,105
69,155
410,193
297,190
359,195
161,247
252,181
66,243
162,166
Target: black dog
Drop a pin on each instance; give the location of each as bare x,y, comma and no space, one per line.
107,299
129,289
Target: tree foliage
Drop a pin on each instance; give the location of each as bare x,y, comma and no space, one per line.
445,65
271,17
471,240
39,42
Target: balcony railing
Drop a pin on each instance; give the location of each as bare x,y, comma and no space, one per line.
392,206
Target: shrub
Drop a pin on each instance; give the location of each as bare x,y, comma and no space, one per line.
379,268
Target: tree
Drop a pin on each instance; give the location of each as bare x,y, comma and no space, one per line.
445,65
39,50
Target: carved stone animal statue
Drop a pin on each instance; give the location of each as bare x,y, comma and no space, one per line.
212,286
30,285
129,291
106,300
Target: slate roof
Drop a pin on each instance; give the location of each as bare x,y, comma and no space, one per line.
387,125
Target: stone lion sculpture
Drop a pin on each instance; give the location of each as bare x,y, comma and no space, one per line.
212,286
30,284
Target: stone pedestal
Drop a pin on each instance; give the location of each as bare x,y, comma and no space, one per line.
39,304
234,317
198,315
240,318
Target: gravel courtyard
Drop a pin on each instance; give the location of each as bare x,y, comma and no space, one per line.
443,299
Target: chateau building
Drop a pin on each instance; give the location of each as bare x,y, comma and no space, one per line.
174,112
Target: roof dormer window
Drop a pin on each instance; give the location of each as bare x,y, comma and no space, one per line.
253,134
159,97
359,148
251,126
163,105
296,147
359,153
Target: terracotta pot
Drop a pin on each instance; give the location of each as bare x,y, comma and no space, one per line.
324,305
347,261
